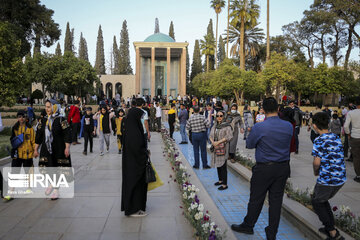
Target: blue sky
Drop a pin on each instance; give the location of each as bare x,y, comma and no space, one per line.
190,18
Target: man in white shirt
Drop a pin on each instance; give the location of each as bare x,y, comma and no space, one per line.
158,116
353,118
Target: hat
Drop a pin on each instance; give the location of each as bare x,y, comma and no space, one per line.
21,113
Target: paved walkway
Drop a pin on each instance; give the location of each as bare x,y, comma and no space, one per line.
302,172
95,213
232,202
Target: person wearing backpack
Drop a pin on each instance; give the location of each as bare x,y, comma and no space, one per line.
23,145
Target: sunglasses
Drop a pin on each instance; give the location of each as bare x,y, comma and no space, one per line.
219,115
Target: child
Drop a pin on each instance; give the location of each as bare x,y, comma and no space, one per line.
329,165
104,127
260,117
335,124
119,122
87,129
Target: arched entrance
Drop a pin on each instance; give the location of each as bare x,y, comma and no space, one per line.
118,89
109,90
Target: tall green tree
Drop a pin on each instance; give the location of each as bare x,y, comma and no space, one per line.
12,82
115,56
244,12
69,39
124,55
207,46
58,50
211,37
187,66
268,30
31,22
171,30
83,50
217,5
100,55
221,51
196,66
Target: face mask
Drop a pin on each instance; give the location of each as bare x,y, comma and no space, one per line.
233,111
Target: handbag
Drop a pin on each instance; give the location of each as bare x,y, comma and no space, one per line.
17,140
149,172
220,149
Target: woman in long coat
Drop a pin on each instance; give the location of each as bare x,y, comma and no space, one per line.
235,120
220,136
54,135
134,158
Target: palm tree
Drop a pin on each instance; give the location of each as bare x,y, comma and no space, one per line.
244,12
228,26
253,38
217,5
207,47
268,31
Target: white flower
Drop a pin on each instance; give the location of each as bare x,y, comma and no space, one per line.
197,190
194,205
197,216
201,207
185,188
212,224
189,188
185,195
192,195
183,175
193,188
201,214
205,225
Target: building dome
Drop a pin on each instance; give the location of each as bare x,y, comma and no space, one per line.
159,37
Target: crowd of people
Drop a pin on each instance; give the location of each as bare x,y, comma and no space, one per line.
212,126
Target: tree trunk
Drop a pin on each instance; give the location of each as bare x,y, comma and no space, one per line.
323,51
242,50
207,63
350,46
227,35
268,32
299,98
333,99
241,97
216,39
236,93
277,91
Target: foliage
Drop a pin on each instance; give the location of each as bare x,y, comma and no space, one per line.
196,66
100,55
58,50
171,30
12,82
207,46
124,55
37,94
211,38
194,210
30,22
115,56
221,50
83,50
347,221
69,39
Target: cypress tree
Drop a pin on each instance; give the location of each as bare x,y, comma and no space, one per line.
196,66
221,48
210,32
124,55
83,52
100,55
58,50
187,65
171,30
69,39
115,56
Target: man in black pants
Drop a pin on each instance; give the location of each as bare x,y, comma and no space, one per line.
88,129
271,170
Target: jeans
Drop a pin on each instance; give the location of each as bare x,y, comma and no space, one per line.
267,179
355,152
88,137
297,132
199,143
158,122
75,129
246,133
320,202
183,132
104,137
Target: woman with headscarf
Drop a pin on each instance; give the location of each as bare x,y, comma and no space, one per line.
54,136
235,121
220,136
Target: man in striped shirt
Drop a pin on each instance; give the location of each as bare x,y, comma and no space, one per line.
198,125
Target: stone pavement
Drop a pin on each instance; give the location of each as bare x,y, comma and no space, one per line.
302,175
94,212
232,202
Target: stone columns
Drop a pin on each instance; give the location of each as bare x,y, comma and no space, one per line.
137,77
152,91
168,80
182,81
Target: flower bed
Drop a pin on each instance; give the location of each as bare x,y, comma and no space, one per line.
193,209
344,218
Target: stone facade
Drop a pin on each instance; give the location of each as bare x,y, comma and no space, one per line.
122,84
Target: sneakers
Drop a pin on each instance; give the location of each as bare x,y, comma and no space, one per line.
101,154
357,179
223,188
107,149
139,214
85,153
242,228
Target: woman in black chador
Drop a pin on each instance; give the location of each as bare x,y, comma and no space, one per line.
134,187
54,136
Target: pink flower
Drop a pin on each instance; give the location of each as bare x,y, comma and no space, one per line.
335,208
